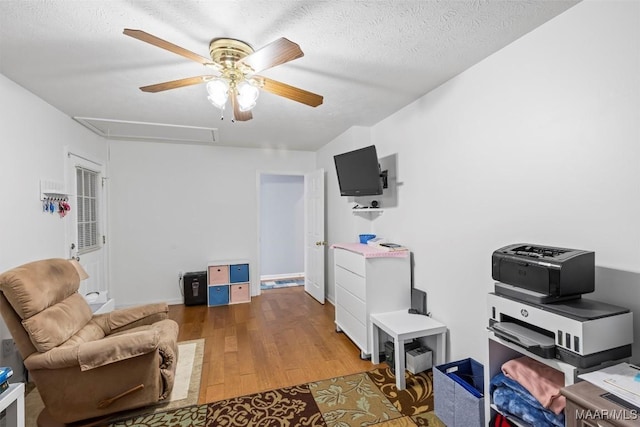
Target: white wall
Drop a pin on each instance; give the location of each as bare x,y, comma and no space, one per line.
281,224
32,146
539,143
175,207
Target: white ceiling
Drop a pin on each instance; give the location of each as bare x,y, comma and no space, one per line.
367,58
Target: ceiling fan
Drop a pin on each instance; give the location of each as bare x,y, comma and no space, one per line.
236,65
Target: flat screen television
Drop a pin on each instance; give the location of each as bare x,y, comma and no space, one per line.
359,172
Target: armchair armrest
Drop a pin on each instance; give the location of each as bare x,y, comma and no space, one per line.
115,348
131,317
56,358
94,354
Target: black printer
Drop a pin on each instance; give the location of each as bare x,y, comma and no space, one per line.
542,274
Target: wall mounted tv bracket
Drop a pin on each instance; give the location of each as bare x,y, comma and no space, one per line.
384,177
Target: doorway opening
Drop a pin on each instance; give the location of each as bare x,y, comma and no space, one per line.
282,231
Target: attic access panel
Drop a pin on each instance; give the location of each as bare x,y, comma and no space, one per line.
144,131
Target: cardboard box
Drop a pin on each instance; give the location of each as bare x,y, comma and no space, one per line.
419,360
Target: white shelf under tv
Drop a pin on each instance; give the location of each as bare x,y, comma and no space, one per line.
367,210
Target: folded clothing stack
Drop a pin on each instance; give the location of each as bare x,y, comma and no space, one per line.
529,391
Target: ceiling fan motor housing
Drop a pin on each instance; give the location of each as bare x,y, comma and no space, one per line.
227,52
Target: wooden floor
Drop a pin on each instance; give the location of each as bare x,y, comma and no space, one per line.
282,338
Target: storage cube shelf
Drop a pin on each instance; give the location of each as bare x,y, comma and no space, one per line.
228,282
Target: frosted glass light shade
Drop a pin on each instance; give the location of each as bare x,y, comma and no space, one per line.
247,96
218,90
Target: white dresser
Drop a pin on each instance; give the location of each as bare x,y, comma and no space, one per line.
368,281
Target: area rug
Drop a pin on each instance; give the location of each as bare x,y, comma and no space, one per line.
363,399
186,387
276,284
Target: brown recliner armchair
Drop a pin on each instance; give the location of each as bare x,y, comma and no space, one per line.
86,366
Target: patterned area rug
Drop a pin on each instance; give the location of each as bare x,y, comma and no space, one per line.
364,399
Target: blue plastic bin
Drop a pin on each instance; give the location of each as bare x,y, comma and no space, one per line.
364,238
458,392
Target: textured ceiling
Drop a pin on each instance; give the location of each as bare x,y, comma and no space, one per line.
367,58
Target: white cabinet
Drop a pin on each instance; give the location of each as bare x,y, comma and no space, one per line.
368,284
500,351
12,405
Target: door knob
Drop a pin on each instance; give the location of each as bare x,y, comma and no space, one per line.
321,243
73,252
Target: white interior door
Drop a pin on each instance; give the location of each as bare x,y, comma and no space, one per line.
85,229
314,252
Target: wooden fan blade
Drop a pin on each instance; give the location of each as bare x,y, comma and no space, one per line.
159,87
291,92
146,37
240,116
275,53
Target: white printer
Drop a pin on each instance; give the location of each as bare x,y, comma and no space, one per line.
579,331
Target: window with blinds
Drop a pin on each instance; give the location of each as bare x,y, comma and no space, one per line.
87,200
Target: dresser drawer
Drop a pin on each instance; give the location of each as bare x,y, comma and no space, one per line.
218,274
348,302
350,261
353,328
351,282
239,293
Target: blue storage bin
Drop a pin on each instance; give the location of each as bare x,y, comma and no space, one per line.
458,391
364,238
217,295
239,273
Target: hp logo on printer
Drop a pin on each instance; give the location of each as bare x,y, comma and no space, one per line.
524,313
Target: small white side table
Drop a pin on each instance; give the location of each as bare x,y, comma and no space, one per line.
403,326
12,399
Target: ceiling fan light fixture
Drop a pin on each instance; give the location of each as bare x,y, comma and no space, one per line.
218,90
236,64
247,95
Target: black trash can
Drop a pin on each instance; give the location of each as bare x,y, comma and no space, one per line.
195,288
